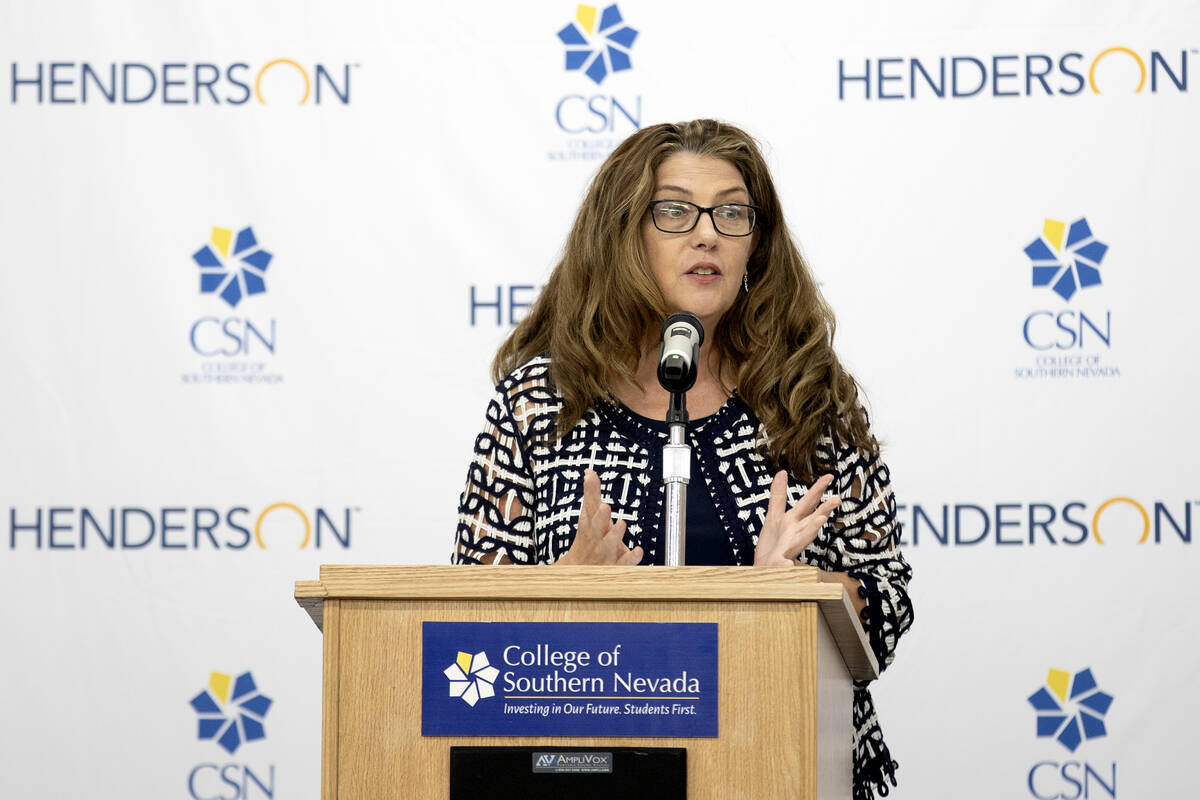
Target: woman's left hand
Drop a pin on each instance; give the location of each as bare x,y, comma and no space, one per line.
787,531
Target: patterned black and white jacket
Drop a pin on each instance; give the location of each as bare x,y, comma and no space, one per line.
524,489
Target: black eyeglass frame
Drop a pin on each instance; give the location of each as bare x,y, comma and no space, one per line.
701,211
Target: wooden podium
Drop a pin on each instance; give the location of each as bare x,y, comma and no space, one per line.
788,649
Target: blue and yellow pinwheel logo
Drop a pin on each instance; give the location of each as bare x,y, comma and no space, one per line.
231,711
232,275
598,49
1071,708
1070,265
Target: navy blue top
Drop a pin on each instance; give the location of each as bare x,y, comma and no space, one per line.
706,542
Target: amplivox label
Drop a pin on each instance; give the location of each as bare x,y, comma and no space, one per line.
569,679
572,762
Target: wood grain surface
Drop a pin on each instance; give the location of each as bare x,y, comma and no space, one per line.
788,646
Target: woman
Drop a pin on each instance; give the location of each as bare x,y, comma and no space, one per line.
784,467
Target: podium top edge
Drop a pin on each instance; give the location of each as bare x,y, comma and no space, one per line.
542,582
611,584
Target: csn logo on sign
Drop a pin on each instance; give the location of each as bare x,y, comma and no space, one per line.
1070,334
234,347
472,677
231,712
1071,710
598,46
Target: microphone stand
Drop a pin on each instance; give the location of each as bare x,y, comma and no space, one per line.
678,357
677,471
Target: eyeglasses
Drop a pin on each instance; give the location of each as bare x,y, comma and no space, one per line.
680,216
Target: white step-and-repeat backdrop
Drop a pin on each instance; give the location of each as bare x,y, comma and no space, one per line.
256,258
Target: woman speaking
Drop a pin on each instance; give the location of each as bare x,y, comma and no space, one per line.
785,470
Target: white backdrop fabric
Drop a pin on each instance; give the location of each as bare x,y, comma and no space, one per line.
173,460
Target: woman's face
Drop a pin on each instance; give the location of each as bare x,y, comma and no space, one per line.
701,270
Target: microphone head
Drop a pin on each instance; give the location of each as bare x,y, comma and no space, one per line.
682,335
685,318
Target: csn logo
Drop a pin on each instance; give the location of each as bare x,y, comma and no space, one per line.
1071,710
1071,341
597,46
471,677
1066,261
231,712
233,268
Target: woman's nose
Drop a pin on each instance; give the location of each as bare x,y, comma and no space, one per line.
705,231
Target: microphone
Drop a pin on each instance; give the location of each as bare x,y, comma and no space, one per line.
682,335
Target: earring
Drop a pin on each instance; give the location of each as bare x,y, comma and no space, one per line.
746,282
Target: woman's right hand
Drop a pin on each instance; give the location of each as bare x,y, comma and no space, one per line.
597,540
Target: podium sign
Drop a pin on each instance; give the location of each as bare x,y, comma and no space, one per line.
569,679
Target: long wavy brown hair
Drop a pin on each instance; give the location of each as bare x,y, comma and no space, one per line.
601,309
